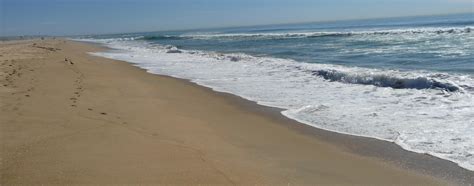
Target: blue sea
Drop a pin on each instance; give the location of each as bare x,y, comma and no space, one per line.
407,80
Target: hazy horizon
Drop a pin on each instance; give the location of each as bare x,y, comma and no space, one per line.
84,17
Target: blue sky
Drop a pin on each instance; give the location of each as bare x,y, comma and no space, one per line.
69,17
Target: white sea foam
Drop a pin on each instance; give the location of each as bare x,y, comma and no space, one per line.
312,34
418,115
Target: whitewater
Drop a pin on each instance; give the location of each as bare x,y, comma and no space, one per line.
425,107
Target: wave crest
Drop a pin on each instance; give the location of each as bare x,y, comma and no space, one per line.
382,80
457,30
161,37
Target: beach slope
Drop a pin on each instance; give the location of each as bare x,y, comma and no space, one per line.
69,117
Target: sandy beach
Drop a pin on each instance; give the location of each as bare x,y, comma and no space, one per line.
71,118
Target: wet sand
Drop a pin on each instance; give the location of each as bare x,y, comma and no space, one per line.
68,117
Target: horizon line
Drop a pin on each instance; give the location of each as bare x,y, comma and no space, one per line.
238,26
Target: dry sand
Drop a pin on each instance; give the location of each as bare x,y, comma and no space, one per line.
68,117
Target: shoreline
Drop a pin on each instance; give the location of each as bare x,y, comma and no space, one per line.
232,154
320,103
361,145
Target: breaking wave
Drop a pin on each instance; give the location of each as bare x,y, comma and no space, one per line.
265,36
161,37
382,80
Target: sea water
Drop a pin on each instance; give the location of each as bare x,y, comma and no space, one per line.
406,80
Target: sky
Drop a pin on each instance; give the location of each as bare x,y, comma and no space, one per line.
78,17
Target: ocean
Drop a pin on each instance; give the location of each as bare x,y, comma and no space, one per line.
405,80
